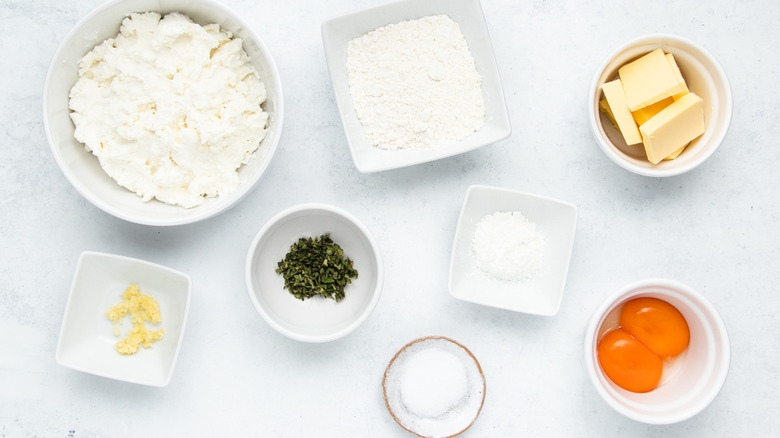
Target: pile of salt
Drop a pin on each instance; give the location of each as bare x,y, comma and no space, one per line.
433,382
434,387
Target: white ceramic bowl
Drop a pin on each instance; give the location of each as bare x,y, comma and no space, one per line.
337,32
87,340
315,319
703,75
700,374
455,420
541,295
82,169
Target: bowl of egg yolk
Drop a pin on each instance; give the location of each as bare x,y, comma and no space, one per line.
657,351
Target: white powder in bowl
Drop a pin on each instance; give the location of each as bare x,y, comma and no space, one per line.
415,84
434,387
433,382
507,246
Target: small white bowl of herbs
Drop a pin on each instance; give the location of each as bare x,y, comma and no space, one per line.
314,273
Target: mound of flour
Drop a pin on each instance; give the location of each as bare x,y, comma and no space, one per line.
414,84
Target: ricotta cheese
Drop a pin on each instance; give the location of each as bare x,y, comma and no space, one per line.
170,108
415,84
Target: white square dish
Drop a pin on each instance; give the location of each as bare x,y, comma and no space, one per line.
87,340
336,34
541,295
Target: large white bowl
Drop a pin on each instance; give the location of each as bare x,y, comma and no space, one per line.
700,374
339,31
703,75
82,169
87,339
315,319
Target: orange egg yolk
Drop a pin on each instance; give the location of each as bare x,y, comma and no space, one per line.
656,324
649,331
628,363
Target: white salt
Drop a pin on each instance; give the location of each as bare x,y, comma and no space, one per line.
434,387
433,382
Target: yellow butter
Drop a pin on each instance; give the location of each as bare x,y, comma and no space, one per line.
673,127
616,100
604,107
644,114
676,153
648,80
678,75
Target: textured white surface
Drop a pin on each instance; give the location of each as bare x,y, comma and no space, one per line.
714,228
168,123
414,84
508,246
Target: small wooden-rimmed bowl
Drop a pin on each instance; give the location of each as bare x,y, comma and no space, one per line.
457,419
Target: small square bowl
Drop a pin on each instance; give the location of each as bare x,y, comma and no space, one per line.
87,341
540,295
338,32
703,75
315,319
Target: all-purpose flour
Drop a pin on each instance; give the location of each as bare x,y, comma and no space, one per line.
170,108
414,84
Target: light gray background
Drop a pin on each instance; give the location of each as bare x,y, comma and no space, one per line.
715,228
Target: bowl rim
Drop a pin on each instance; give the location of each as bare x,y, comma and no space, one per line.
280,216
593,116
241,192
58,352
720,369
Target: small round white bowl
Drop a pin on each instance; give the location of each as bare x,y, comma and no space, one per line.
701,372
457,419
82,169
315,319
703,75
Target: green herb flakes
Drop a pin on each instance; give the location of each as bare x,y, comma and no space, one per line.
316,266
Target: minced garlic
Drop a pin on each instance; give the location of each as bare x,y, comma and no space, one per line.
142,308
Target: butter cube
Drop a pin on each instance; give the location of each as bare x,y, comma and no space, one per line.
678,75
675,154
673,127
604,107
644,114
616,100
648,80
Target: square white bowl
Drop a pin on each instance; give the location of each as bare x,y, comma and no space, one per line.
87,341
540,295
336,34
